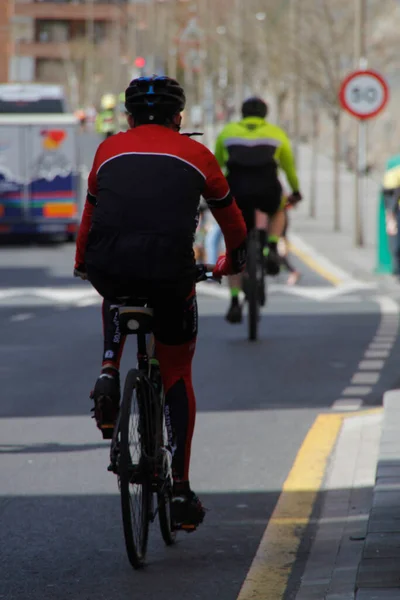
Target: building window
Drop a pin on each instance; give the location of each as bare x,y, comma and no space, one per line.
52,31
100,31
50,70
23,29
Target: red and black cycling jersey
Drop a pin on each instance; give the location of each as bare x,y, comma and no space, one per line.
142,206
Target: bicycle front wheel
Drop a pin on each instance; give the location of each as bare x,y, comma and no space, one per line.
134,474
252,286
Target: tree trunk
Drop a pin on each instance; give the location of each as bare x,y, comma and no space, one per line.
280,99
336,172
314,162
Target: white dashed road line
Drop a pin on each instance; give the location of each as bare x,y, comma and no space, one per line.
22,317
369,371
347,404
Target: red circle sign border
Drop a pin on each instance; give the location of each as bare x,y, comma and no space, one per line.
351,76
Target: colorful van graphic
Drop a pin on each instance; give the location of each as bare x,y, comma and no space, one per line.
39,183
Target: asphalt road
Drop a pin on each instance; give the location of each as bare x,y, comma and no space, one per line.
60,524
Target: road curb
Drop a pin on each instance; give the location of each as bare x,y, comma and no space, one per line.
331,568
378,576
272,566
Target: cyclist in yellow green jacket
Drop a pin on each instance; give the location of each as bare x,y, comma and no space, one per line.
250,153
106,118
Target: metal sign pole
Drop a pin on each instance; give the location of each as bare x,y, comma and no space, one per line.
364,94
361,167
361,63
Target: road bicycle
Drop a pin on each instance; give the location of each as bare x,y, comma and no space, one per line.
254,277
254,281
140,454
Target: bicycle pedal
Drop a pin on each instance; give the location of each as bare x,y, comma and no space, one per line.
107,431
186,527
137,476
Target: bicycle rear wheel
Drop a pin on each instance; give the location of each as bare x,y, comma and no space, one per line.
252,285
261,275
134,473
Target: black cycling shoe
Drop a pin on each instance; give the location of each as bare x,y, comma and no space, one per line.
187,512
106,395
234,314
272,262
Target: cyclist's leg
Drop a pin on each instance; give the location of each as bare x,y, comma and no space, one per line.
234,314
106,392
274,206
113,339
175,330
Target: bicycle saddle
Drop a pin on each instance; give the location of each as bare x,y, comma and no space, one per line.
135,319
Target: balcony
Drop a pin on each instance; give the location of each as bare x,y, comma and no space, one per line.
69,11
55,50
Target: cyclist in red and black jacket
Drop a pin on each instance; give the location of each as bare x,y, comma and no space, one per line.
136,239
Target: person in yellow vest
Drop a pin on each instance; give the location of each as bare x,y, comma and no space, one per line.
81,116
122,120
106,122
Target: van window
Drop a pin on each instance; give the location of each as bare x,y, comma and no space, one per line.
42,106
34,98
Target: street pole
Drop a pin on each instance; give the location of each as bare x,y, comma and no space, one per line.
117,49
88,96
201,81
172,40
295,14
314,160
151,35
361,133
131,45
238,37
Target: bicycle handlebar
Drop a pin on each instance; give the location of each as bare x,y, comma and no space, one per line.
204,273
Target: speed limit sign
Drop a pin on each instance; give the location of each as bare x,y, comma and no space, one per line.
364,94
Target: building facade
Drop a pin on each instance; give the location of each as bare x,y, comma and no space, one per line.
39,36
42,35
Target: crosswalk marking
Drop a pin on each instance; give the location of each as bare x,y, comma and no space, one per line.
82,296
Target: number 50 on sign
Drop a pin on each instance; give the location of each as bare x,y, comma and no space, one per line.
364,94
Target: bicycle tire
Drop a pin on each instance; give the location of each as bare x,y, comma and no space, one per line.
168,532
135,523
261,274
252,286
164,499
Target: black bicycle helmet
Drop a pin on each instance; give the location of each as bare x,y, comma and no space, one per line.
158,94
254,107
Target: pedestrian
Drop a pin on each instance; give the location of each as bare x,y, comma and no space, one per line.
213,242
283,249
391,198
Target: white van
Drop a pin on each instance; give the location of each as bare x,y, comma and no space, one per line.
32,98
39,170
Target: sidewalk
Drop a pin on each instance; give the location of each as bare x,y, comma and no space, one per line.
319,233
331,568
378,575
362,535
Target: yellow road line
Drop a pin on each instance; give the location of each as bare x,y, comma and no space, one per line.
272,565
314,265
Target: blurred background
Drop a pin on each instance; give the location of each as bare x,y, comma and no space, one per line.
294,52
